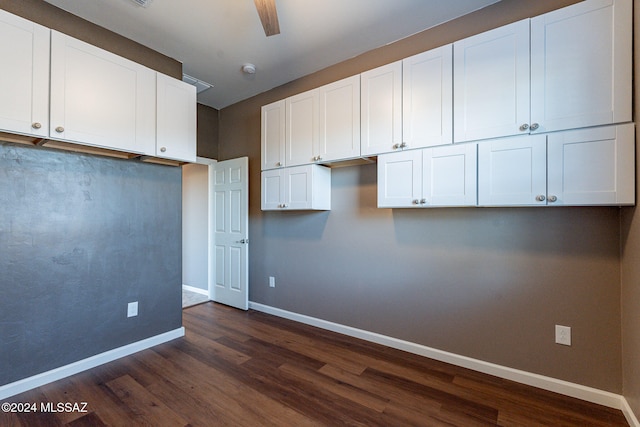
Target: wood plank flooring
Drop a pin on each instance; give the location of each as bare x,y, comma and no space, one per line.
237,368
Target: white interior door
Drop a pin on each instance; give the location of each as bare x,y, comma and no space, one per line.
229,282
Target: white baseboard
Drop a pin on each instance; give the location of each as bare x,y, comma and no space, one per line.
629,415
588,394
196,290
26,384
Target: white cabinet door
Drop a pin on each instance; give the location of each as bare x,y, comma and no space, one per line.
427,104
101,99
592,166
301,127
381,123
273,135
450,175
306,187
581,65
272,189
339,120
176,119
513,171
400,179
24,76
491,81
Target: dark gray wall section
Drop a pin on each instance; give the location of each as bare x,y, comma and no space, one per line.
80,237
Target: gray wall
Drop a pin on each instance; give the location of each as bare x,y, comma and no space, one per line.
81,237
484,283
195,226
631,265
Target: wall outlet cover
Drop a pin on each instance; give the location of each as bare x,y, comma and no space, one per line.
272,282
563,335
132,309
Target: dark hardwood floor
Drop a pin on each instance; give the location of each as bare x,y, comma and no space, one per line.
237,368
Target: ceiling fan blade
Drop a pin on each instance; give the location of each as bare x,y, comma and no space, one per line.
268,16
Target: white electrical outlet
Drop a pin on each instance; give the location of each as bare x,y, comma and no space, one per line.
132,309
563,335
272,282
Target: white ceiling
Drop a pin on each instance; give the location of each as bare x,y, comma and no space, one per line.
214,38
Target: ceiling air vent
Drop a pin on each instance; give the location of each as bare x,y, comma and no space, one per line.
143,3
199,84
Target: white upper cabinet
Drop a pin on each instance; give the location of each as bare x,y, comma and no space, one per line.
381,104
339,120
176,119
439,176
273,135
513,171
24,76
579,74
306,187
581,65
302,127
101,99
491,83
592,166
427,98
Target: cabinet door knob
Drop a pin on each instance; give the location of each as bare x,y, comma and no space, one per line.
552,199
534,126
59,129
416,201
36,125
540,198
396,146
403,145
279,164
524,127
163,149
319,158
423,201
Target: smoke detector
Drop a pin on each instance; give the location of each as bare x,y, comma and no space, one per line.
249,69
143,3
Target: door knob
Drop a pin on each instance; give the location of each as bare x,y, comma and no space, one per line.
59,129
36,125
540,198
534,126
552,199
524,127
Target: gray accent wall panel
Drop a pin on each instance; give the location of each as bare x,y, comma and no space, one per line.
80,237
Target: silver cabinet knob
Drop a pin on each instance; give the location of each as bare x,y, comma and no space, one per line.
423,201
416,201
540,198
396,146
163,149
319,158
59,129
534,126
403,145
552,199
524,127
279,164
36,125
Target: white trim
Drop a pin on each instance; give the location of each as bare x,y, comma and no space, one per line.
196,290
588,394
56,374
206,161
628,414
